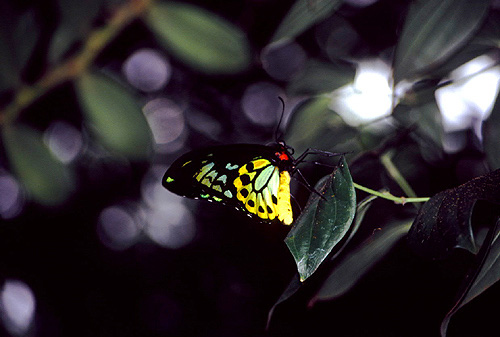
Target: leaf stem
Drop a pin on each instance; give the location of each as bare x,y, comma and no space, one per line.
78,64
386,160
389,196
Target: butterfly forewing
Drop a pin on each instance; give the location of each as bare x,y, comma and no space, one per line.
246,176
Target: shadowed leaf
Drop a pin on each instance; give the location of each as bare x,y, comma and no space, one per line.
114,116
359,262
45,178
433,31
444,222
302,15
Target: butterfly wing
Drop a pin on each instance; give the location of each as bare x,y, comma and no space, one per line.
245,176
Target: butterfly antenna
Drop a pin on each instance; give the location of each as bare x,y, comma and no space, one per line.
277,134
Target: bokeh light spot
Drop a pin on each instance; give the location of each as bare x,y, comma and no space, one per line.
17,307
368,98
260,103
470,99
147,70
171,226
167,123
117,228
64,140
11,196
283,60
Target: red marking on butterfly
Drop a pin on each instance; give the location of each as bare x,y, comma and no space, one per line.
282,156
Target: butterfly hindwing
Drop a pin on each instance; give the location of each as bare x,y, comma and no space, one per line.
246,176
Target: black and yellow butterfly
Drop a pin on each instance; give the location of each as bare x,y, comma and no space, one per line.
253,178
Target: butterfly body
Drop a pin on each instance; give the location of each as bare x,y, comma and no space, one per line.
253,178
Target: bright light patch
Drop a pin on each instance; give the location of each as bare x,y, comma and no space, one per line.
369,98
470,99
17,307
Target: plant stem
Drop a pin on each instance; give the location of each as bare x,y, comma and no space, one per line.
389,196
78,64
386,160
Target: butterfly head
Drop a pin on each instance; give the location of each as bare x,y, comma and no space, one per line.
284,156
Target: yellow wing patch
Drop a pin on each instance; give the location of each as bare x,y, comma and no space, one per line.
264,191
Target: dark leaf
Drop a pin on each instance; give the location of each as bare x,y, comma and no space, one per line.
444,222
486,274
320,77
76,20
359,262
302,15
45,178
433,31
491,136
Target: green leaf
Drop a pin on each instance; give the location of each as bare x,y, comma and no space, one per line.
485,41
295,283
353,267
200,38
491,135
76,20
428,118
321,123
320,77
45,178
302,15
433,31
324,221
114,116
487,274
444,222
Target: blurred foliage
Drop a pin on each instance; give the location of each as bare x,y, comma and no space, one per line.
62,61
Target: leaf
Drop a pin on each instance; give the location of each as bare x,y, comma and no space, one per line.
433,31
491,135
487,274
295,283
200,38
429,121
358,263
25,37
321,123
45,178
114,116
18,37
324,222
485,41
76,20
444,223
302,15
320,77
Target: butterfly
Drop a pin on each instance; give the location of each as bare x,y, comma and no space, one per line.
253,178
